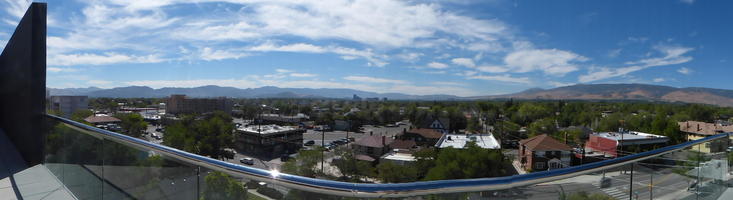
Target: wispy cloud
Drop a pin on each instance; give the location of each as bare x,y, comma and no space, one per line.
466,62
671,55
346,53
550,61
301,75
502,78
100,59
658,80
373,79
684,70
437,65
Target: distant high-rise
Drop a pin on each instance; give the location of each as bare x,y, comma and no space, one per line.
68,104
179,104
356,98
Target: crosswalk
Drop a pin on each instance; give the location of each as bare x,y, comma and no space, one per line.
614,192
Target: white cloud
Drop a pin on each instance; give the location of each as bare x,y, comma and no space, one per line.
410,57
16,9
346,53
657,80
57,69
549,61
283,70
209,54
671,55
301,75
437,65
373,80
502,78
99,59
688,1
466,62
684,70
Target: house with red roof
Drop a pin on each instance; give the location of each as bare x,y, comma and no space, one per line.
543,152
373,146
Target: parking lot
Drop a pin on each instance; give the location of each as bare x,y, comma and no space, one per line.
330,136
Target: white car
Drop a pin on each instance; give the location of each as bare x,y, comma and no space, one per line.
247,161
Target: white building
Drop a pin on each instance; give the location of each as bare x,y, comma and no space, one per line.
398,158
459,141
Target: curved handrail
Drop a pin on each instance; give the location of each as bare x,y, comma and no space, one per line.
387,189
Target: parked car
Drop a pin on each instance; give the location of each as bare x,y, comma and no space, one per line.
309,143
247,161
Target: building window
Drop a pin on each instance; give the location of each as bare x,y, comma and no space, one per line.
539,165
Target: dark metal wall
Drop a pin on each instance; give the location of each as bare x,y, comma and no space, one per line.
23,84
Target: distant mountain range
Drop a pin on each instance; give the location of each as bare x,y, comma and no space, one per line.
711,96
262,92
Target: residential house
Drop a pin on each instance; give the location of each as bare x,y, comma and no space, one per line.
698,130
373,146
543,152
422,136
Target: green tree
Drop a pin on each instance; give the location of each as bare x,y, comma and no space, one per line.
471,162
133,124
303,164
222,186
80,115
393,173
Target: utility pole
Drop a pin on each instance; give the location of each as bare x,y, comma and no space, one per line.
323,143
631,182
651,185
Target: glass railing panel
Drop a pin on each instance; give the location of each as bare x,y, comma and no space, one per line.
143,174
713,169
74,157
95,164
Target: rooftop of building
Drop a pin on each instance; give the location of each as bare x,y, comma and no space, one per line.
426,132
375,141
544,142
399,156
704,128
101,118
266,129
628,135
459,141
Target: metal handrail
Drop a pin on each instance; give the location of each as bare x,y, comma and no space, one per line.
369,190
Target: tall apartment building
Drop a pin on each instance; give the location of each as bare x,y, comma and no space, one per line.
179,104
68,104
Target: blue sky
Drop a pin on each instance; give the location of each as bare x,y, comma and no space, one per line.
458,47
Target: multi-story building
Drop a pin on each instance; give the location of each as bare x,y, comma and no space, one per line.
543,152
283,119
697,130
179,104
68,104
269,141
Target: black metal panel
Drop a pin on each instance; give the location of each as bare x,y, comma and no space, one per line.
23,84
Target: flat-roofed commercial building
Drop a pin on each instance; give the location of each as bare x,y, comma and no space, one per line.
269,141
608,144
68,104
179,104
459,141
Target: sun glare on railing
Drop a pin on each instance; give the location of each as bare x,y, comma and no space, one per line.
274,173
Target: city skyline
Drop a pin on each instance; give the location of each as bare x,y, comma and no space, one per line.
463,48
